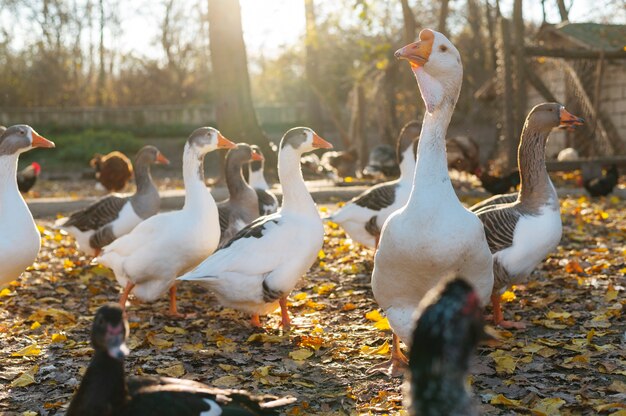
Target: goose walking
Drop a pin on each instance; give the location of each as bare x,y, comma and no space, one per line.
521,233
242,205
262,264
268,204
102,222
19,238
433,236
363,217
147,260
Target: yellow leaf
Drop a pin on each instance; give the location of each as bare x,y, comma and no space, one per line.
5,292
301,354
58,315
324,289
35,325
590,335
175,330
26,378
311,341
383,325
316,306
382,350
348,307
263,338
27,351
611,294
558,315
300,296
29,413
505,363
176,370
548,407
501,399
61,337
348,179
508,296
68,264
321,255
158,342
374,315
226,367
192,347
226,381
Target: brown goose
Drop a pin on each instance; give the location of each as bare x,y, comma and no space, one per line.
113,216
521,233
268,204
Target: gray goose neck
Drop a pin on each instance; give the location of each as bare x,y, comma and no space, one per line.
536,189
236,184
146,200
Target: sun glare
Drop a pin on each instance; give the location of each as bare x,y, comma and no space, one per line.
270,24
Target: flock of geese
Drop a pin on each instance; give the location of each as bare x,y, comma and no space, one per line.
436,262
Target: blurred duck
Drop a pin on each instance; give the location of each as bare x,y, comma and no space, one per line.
433,236
382,162
363,217
497,185
339,164
19,237
242,205
463,154
521,233
449,328
597,182
105,390
113,170
147,260
568,154
260,266
268,204
111,217
27,177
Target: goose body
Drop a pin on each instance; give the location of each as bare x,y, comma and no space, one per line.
256,270
363,217
19,238
433,236
102,222
268,203
521,233
147,260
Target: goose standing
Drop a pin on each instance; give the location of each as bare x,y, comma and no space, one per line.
109,218
363,217
268,204
521,233
433,236
105,390
242,205
262,264
19,238
147,260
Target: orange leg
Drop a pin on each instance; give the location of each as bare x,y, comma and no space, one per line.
285,321
173,311
125,293
498,317
255,321
396,365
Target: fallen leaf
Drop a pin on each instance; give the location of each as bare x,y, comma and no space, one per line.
176,370
175,330
29,351
548,407
157,341
226,381
383,325
263,337
26,378
384,349
61,337
505,363
503,400
300,354
374,315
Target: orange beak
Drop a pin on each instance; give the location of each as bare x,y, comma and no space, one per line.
569,120
320,143
224,143
417,53
257,157
40,141
162,159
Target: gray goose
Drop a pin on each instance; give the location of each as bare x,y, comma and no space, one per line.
242,205
111,217
268,204
521,233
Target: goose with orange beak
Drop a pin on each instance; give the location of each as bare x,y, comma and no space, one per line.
147,260
19,237
433,236
257,269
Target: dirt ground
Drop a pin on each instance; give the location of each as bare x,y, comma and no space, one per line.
570,360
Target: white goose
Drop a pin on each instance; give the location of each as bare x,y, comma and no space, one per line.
433,236
363,217
147,260
113,216
268,203
19,237
261,265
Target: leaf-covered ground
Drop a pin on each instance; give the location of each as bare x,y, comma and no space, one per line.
570,360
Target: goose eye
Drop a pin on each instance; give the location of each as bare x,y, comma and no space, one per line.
22,132
443,48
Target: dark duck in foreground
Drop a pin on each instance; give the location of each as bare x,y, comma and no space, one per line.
105,390
449,328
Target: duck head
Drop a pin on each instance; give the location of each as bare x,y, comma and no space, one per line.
437,66
150,154
257,164
303,140
207,139
547,116
109,331
21,138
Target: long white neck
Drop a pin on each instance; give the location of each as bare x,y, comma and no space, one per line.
193,175
431,178
407,166
256,179
296,197
8,180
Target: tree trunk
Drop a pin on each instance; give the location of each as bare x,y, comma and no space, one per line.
520,63
102,73
562,10
443,16
492,36
410,25
314,108
236,118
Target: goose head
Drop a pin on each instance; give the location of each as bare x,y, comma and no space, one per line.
207,139
409,137
547,116
242,153
109,331
257,165
149,154
437,66
21,138
302,140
